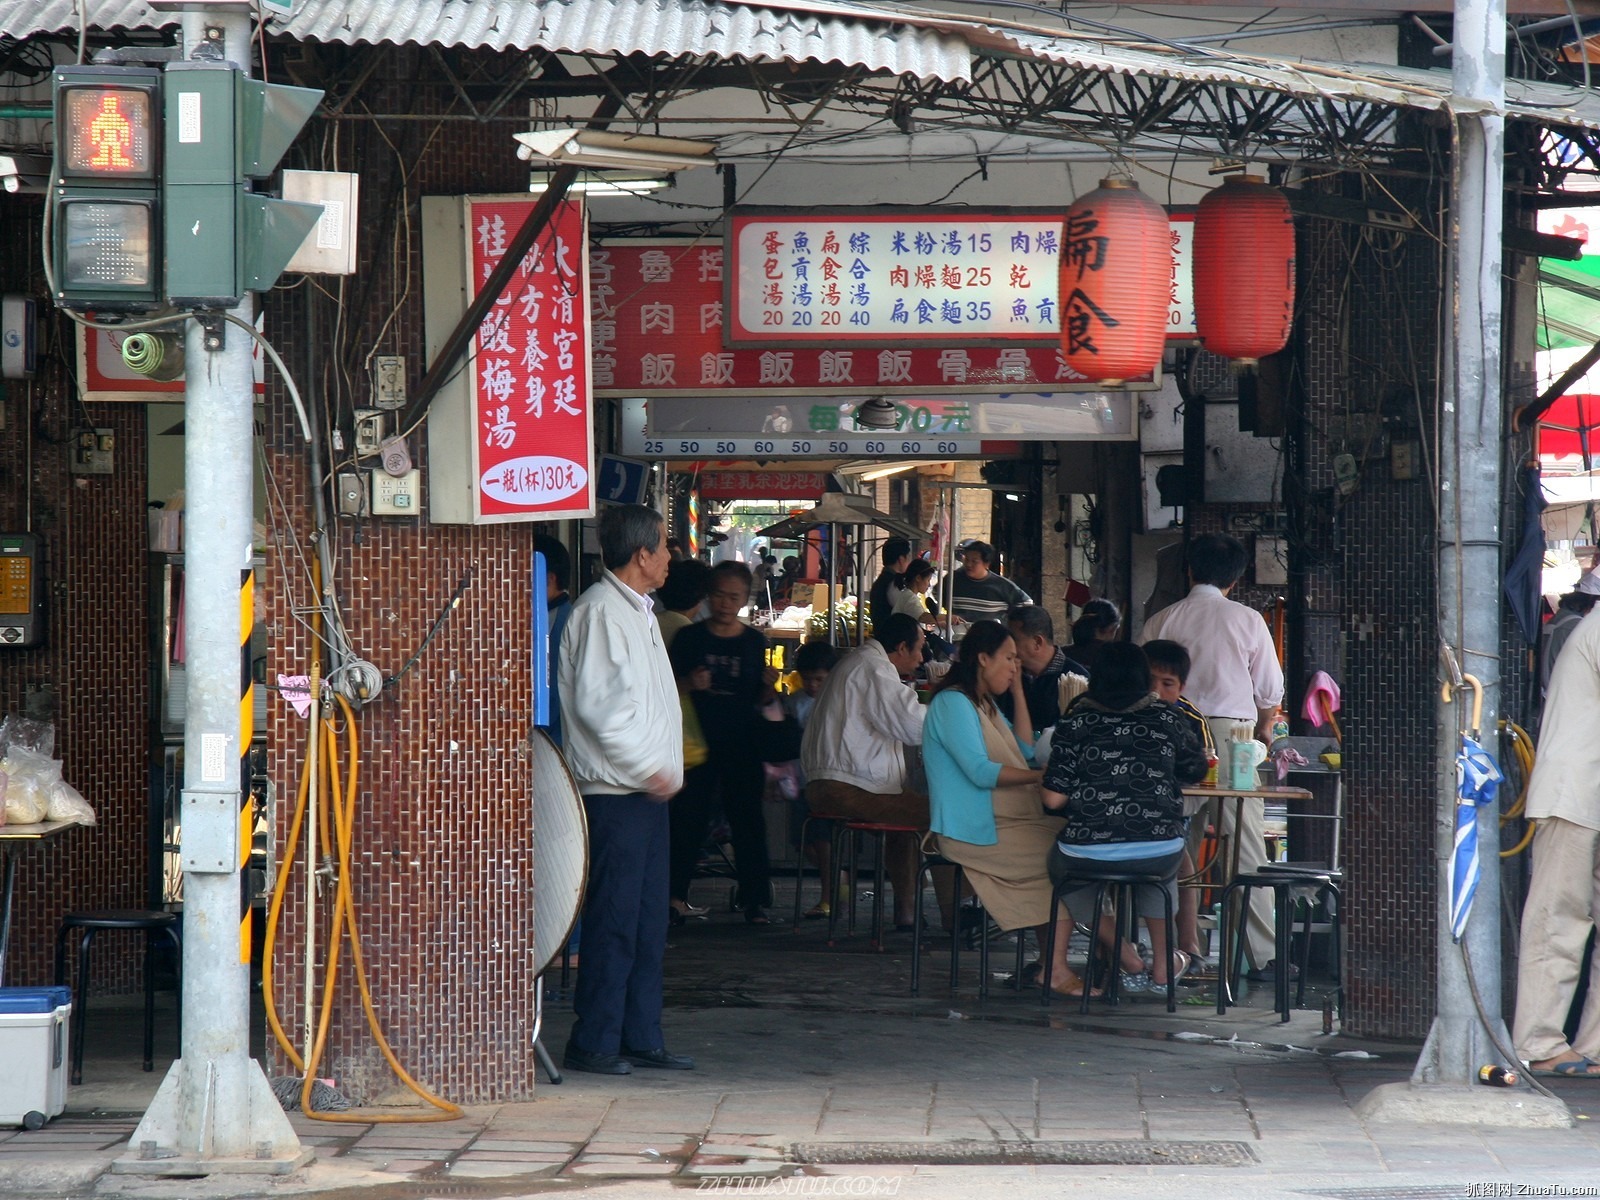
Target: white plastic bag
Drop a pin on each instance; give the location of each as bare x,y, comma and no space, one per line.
30,776
38,736
66,803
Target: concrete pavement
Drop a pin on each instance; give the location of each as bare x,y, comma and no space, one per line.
819,1075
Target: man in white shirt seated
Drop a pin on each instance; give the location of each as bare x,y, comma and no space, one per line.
853,753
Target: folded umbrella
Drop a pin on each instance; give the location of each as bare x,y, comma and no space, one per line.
1477,779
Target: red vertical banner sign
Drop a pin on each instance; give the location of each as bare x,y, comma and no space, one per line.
534,432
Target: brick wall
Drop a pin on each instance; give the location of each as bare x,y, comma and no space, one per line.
442,876
92,672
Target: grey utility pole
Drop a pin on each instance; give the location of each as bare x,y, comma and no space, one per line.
215,1111
1463,1038
1468,1027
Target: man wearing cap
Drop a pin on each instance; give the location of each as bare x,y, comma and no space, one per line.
1571,609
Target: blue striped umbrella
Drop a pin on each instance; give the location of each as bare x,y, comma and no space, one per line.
1477,779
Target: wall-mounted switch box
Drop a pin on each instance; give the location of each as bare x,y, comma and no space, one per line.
389,381
369,431
91,451
397,495
350,494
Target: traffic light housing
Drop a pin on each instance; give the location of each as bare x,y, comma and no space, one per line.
221,129
106,229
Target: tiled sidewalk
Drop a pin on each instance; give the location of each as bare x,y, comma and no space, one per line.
799,1045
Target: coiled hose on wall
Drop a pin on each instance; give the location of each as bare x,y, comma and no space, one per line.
342,804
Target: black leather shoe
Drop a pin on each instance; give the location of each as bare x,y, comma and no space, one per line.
596,1064
658,1058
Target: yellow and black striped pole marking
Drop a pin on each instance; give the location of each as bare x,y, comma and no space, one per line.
247,729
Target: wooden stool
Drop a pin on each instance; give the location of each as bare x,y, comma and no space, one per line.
91,923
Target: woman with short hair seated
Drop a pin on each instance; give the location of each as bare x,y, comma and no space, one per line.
983,791
1118,762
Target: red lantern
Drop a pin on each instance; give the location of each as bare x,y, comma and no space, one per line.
1244,269
1115,282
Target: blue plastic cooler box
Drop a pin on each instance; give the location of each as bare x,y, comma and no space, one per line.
33,1054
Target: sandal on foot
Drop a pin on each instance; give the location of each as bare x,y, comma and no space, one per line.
1073,989
1184,961
1581,1067
818,912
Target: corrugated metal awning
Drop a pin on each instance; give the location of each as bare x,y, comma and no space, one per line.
1369,83
877,37
855,35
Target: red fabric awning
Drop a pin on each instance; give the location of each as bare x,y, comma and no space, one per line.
1562,429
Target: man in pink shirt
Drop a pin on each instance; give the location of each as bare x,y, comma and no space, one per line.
1234,678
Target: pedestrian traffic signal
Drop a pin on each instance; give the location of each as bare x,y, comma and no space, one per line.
221,129
105,210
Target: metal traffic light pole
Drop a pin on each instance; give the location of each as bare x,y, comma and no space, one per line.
215,1112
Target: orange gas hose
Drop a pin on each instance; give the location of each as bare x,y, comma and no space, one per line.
1522,747
342,803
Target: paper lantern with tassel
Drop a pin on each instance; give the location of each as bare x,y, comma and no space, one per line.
1244,269
1115,282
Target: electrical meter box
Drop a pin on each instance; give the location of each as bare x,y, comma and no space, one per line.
21,591
33,1054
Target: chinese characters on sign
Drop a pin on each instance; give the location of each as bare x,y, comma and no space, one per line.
530,369
657,325
893,277
713,428
768,485
872,277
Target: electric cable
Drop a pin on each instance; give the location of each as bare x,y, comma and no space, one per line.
288,380
438,623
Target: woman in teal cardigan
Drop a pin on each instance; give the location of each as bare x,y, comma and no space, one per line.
983,792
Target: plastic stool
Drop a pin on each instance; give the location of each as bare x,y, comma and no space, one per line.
830,895
1285,881
91,923
1124,885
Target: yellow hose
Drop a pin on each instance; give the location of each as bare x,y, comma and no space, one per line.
1522,747
342,803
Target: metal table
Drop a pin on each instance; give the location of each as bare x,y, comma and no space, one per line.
1239,796
14,840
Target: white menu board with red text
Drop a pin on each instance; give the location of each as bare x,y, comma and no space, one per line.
533,456
890,277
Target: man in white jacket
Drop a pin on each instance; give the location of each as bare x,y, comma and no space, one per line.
853,751
624,745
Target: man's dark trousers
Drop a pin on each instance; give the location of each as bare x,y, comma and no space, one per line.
618,995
